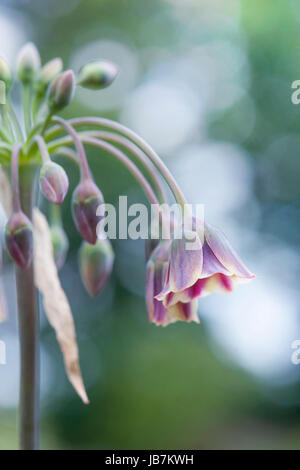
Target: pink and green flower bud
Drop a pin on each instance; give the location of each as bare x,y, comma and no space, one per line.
215,267
60,245
5,73
97,75
86,199
48,72
19,239
61,90
54,182
28,63
96,263
156,277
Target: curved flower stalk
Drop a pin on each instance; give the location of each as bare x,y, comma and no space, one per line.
175,276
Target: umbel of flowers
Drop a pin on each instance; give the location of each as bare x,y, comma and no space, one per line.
175,276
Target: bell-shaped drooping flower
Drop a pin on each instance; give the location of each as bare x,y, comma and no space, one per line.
86,199
48,72
5,73
60,245
96,263
54,182
97,75
213,266
28,63
156,276
61,91
19,239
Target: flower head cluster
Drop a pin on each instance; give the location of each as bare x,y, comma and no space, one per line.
176,276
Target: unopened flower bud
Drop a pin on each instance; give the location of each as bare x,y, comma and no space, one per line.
28,63
54,182
97,75
61,90
86,199
96,262
60,245
49,71
5,73
19,239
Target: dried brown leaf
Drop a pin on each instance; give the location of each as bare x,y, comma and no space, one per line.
5,192
55,302
3,310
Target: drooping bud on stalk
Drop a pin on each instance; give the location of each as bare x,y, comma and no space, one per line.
18,231
54,182
97,75
49,71
86,199
5,73
19,239
61,90
60,245
28,63
96,262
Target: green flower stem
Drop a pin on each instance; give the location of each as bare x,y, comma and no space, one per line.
55,215
115,126
14,121
15,177
28,320
126,161
27,107
138,175
84,167
132,148
42,148
6,132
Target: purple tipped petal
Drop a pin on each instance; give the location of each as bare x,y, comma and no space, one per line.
223,251
211,264
185,296
156,273
185,263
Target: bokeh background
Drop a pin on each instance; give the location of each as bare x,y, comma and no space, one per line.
208,84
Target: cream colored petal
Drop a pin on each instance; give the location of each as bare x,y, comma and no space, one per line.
55,302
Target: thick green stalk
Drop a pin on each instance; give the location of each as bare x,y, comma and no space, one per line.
28,332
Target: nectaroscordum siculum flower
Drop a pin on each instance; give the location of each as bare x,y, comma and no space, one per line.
175,277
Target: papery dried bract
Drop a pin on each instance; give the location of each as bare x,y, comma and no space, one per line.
55,302
5,192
